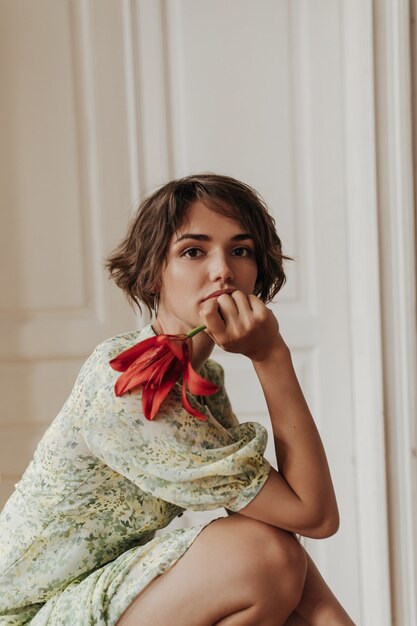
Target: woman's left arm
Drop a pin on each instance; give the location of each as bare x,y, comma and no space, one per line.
300,497
299,449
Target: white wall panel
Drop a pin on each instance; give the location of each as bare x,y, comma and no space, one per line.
65,204
40,191
34,391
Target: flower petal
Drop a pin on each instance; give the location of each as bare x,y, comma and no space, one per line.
198,385
152,397
188,406
143,370
157,363
166,366
134,376
179,347
122,361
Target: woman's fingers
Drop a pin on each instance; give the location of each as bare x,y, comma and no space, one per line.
238,308
224,314
229,309
258,307
243,303
237,313
239,323
210,314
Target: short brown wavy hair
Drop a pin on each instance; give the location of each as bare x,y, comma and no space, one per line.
137,263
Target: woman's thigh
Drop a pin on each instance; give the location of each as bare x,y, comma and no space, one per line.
235,564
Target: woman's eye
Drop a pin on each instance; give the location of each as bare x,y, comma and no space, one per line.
193,253
246,251
192,250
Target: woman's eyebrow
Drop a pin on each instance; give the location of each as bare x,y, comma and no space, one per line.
197,237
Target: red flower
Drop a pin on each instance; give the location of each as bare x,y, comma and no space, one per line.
157,363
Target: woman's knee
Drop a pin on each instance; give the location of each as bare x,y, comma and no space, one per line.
276,555
288,561
236,561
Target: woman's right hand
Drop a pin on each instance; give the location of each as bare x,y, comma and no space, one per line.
242,324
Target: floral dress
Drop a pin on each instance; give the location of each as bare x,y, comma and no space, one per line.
77,536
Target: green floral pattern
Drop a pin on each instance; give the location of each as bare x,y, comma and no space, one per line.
77,537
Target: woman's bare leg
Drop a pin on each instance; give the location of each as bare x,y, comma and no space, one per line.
238,572
318,605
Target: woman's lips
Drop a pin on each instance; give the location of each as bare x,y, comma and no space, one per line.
219,293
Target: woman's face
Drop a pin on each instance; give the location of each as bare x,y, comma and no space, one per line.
208,253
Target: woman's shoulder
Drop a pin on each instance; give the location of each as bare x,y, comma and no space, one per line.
214,372
112,346
97,363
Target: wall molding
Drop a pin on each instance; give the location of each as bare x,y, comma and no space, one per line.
365,312
130,47
397,241
88,162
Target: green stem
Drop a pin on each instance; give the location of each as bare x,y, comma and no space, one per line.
194,331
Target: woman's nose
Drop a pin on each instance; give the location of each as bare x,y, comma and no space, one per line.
220,269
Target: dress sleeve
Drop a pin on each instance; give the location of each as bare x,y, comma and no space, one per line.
219,402
194,464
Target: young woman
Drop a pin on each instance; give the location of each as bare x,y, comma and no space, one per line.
77,535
